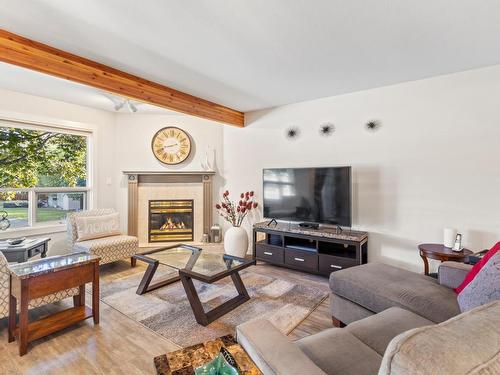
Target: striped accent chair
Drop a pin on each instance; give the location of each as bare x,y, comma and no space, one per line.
110,249
4,291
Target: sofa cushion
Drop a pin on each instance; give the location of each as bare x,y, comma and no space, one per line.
477,267
337,351
111,248
90,227
347,311
484,288
272,351
466,344
452,274
378,330
377,287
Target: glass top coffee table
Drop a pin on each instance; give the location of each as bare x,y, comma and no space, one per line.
194,263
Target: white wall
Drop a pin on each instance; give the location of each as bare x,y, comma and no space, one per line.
435,162
133,148
19,106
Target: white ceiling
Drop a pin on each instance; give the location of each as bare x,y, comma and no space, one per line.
256,54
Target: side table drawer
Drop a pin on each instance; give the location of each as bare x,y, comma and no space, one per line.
270,253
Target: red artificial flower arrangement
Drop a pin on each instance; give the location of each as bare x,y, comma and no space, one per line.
235,212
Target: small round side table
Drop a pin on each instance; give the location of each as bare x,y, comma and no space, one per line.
441,253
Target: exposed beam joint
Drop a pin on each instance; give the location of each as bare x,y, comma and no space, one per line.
20,51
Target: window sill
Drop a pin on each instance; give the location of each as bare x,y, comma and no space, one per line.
33,231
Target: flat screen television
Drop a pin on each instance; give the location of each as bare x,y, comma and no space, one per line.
312,195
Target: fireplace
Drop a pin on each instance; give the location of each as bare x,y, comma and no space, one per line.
171,220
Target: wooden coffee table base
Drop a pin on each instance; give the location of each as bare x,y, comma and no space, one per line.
186,277
205,318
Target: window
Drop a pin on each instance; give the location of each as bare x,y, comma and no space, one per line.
44,173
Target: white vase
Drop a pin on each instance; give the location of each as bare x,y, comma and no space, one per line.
236,242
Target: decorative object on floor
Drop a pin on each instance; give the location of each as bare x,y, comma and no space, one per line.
373,125
41,278
171,145
458,243
236,238
441,253
449,235
24,250
285,297
4,222
186,361
292,132
327,129
215,233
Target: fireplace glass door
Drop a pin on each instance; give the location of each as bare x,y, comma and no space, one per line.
171,220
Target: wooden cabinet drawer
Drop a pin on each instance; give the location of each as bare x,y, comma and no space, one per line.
329,264
268,253
302,259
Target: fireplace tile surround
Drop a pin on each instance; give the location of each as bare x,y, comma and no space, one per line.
146,186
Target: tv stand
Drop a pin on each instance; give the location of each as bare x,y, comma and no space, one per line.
305,224
315,250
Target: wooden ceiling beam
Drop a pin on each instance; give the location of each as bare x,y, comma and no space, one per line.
20,51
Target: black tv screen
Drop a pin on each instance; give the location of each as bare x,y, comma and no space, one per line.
319,195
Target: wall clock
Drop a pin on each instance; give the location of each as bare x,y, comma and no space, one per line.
171,145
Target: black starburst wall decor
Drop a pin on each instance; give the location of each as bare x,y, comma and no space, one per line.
373,125
292,132
326,129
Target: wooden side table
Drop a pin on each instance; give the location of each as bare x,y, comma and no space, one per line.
44,277
440,252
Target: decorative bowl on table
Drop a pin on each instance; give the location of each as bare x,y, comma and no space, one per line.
223,364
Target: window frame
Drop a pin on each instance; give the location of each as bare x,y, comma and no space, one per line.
33,191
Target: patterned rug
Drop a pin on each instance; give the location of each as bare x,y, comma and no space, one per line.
284,297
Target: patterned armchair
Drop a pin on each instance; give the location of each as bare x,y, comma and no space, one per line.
110,249
4,291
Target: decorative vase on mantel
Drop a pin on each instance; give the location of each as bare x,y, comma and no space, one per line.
236,237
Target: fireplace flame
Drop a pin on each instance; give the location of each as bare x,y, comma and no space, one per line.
169,224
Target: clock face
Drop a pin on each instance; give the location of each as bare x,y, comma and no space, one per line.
171,145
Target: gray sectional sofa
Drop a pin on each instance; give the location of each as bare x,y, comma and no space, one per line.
391,317
362,291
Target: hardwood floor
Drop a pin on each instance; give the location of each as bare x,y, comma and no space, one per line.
118,345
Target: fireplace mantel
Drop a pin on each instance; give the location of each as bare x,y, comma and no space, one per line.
135,178
169,173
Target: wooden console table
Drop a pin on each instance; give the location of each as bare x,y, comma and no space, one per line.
43,277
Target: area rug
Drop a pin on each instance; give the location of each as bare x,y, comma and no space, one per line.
285,301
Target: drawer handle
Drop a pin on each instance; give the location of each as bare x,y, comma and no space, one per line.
334,266
299,259
267,253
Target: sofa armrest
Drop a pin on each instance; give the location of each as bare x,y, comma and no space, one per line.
273,352
452,274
